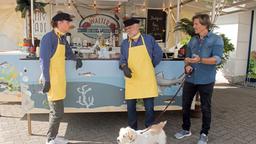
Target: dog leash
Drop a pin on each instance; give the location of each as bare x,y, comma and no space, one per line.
166,107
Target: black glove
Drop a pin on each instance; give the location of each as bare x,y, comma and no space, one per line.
79,63
188,72
127,71
46,87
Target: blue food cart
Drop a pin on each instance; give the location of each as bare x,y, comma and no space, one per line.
97,87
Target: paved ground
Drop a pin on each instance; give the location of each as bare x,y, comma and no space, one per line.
234,122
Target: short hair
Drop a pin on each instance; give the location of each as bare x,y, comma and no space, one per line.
54,24
204,19
59,17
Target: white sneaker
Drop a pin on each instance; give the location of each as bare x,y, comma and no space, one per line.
51,142
58,140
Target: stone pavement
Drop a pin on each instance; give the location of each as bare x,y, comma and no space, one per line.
234,122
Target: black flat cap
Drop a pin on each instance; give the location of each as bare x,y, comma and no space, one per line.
130,22
62,16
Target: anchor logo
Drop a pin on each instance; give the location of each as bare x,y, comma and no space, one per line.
83,99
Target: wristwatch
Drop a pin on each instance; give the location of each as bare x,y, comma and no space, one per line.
200,61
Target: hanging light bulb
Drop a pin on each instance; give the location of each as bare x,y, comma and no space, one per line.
144,6
56,3
94,4
181,4
119,7
163,6
170,6
69,4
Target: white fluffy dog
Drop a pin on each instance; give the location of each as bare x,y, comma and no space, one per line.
154,135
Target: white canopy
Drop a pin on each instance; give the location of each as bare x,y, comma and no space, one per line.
12,25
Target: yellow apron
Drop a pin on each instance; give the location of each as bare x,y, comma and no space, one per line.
57,74
143,82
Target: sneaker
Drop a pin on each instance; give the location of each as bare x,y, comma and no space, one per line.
183,133
203,139
58,140
51,142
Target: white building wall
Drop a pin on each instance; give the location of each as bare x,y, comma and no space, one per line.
237,28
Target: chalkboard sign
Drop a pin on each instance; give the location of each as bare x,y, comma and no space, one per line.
156,24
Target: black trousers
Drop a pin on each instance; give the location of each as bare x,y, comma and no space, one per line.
205,91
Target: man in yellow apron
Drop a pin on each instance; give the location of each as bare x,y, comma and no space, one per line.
54,49
139,55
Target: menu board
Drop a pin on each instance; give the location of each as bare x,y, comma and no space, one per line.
156,24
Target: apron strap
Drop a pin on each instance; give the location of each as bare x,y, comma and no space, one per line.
143,42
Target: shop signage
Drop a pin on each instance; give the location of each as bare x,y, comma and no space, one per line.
99,24
41,24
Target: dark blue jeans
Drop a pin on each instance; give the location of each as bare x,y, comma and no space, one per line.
205,91
132,113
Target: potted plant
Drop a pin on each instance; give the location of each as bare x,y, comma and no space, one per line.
24,7
252,67
186,25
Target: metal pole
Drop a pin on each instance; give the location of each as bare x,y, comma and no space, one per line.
213,10
250,47
51,9
32,20
177,19
26,26
29,124
178,10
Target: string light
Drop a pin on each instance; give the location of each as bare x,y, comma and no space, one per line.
170,6
144,6
56,4
69,4
163,6
94,4
181,3
119,7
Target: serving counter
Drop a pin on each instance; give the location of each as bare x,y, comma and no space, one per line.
96,87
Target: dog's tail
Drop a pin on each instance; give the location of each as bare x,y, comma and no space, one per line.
162,124
157,128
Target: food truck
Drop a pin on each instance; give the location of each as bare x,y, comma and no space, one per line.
96,37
